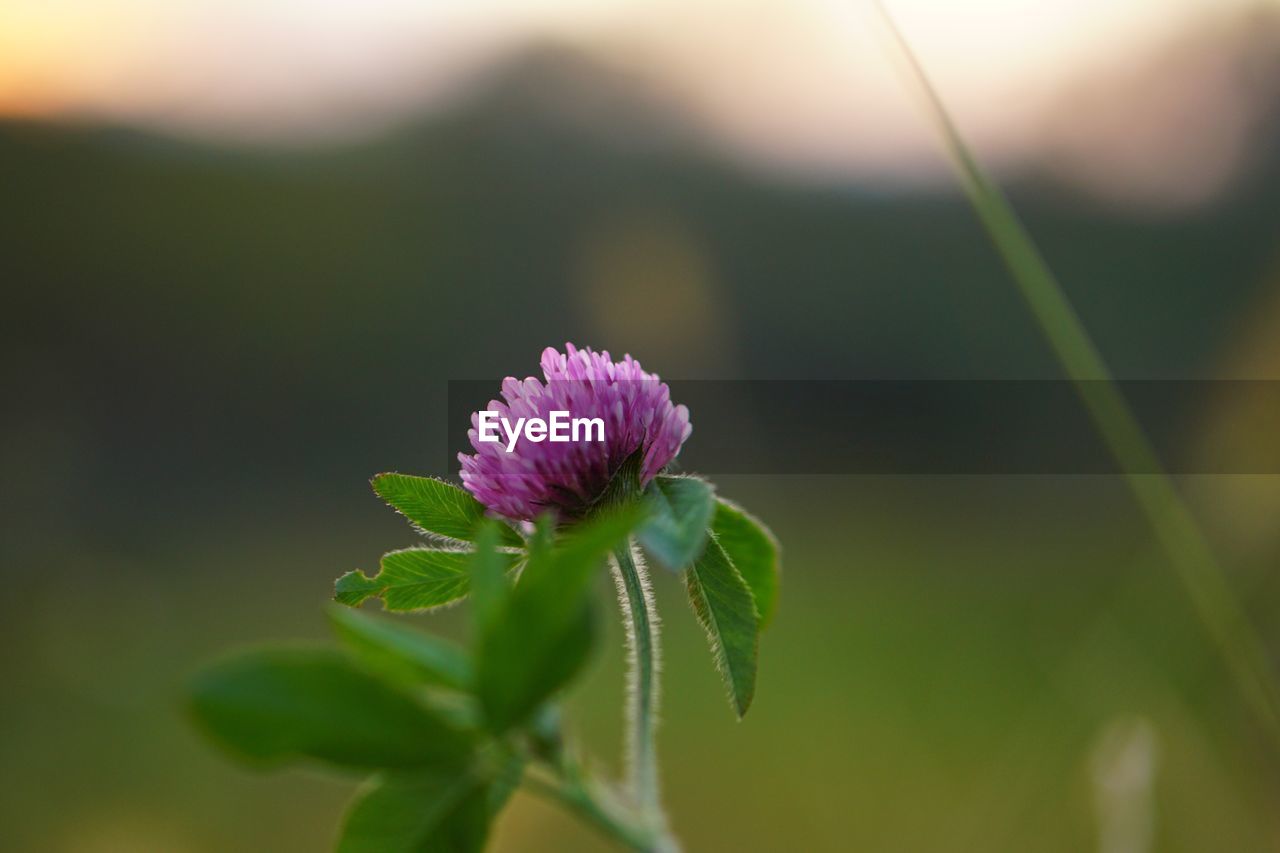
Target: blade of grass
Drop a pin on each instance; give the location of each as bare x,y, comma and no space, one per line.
1175,526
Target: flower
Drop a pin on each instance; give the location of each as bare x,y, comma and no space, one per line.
567,477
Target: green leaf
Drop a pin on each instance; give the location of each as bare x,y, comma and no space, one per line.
544,631
412,579
418,812
436,508
400,651
543,536
505,784
519,672
276,704
723,604
680,512
755,553
488,572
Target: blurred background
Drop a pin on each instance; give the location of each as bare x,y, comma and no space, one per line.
245,245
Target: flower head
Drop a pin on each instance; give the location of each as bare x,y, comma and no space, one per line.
568,477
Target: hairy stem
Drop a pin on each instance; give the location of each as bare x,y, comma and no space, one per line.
641,622
570,791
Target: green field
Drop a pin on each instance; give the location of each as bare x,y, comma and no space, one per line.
947,656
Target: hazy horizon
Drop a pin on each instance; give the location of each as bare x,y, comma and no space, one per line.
806,90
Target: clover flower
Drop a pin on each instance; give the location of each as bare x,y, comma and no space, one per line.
568,477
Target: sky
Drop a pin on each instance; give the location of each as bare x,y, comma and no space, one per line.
805,86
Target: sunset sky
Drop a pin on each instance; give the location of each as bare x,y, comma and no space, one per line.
805,85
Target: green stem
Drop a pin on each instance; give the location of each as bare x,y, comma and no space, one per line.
1168,514
642,682
579,799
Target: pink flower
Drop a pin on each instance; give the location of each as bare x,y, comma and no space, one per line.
567,477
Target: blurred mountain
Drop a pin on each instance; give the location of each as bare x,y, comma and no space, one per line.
181,314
